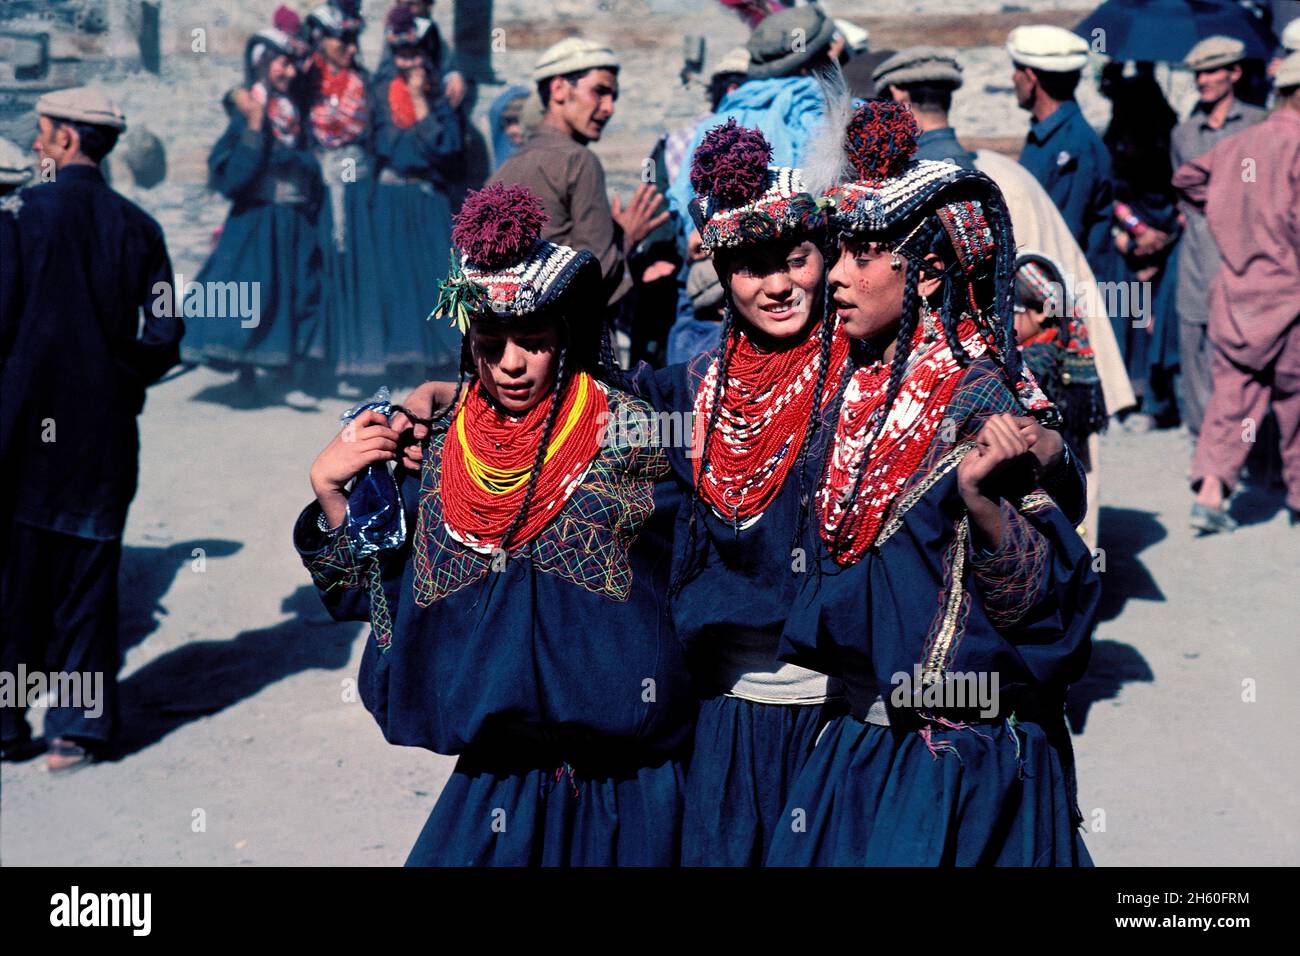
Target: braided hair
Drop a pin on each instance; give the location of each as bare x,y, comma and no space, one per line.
539,459
961,295
728,339
732,328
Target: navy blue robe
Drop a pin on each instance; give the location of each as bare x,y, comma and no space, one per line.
746,752
558,679
993,787
269,238
80,265
413,224
351,342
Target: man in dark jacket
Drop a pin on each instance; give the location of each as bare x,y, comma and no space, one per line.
86,325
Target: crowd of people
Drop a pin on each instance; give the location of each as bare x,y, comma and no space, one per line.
832,616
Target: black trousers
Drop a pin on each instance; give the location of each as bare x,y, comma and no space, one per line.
58,618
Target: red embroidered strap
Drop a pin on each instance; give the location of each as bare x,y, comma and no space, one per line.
484,436
767,404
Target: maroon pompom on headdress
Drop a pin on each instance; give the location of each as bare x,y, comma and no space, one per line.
498,225
730,164
286,20
880,140
400,27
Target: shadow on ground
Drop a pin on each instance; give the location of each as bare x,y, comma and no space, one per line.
147,574
205,677
1125,534
1112,666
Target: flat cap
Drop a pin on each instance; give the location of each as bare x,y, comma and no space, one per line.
15,163
788,39
919,64
735,60
571,55
1048,48
1291,36
1214,52
1288,73
81,104
703,285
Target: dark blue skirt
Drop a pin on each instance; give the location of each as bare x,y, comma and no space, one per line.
492,815
746,757
413,227
273,245
353,270
874,796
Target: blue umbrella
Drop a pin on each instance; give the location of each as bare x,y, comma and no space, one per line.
1162,31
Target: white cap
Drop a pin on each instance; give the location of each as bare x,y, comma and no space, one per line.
81,104
1288,73
857,39
571,55
15,163
1291,36
1047,48
736,60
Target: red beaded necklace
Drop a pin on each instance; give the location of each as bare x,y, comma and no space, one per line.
766,406
850,526
488,457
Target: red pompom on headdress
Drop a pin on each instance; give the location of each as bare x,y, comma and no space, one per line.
286,20
730,164
880,139
498,225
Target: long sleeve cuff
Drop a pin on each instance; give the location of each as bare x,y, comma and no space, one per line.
1011,576
328,557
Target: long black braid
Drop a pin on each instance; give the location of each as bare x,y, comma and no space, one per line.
958,291
906,329
827,333
728,338
538,459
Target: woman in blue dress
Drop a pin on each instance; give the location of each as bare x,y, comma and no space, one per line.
340,120
762,405
419,146
954,599
747,426
522,623
263,164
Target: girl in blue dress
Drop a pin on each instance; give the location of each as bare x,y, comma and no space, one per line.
419,146
954,599
340,120
523,622
762,406
264,165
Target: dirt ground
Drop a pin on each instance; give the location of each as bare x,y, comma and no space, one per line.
245,745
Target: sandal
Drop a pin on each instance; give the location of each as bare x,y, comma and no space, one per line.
66,755
1209,520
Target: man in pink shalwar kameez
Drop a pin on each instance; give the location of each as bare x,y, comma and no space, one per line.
1249,185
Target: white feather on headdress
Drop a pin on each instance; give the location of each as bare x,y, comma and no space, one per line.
825,162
